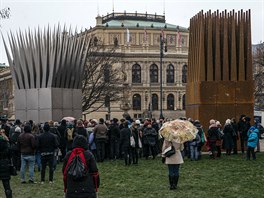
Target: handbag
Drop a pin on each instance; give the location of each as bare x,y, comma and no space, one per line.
169,151
12,168
132,141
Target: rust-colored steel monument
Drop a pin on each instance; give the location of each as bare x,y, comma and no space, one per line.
220,81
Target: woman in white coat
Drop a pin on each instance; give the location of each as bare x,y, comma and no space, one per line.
173,162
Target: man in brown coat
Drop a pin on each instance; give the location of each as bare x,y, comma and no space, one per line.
27,144
101,135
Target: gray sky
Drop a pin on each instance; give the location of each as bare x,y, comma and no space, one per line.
82,13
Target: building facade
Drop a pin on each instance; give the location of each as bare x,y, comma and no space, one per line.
7,108
138,37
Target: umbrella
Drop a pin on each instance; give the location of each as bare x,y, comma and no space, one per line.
179,131
69,119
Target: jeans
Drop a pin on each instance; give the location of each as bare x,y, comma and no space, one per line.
194,152
174,169
47,159
30,160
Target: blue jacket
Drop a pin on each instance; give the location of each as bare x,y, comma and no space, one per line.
253,138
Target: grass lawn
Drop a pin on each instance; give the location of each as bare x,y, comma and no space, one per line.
229,176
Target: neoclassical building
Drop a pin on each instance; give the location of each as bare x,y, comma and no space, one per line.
7,108
138,37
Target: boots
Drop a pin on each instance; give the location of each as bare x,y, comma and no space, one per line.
172,185
8,193
175,179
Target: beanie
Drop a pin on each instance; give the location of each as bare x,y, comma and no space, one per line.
80,142
46,127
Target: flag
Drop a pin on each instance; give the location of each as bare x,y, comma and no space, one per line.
145,35
128,36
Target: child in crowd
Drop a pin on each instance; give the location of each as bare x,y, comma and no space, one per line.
252,142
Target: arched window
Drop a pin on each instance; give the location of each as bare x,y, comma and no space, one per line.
153,73
136,73
183,102
155,102
184,74
170,102
170,73
136,102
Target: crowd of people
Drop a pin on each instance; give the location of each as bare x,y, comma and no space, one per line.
37,146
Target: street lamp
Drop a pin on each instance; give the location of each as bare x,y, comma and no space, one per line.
162,42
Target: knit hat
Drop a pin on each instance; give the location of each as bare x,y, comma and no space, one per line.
18,129
228,121
17,122
46,127
27,128
137,122
212,121
80,142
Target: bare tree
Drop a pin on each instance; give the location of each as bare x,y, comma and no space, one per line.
258,62
103,77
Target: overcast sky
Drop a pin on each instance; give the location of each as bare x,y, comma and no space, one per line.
82,13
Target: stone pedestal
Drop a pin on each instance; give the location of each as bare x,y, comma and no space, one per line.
44,104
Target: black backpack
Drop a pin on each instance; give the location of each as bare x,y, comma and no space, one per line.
76,167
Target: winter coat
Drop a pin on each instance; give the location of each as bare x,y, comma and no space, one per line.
253,138
149,136
62,128
80,131
114,132
91,142
55,132
100,132
175,158
84,188
228,136
27,143
47,142
125,134
136,136
213,134
4,159
196,141
13,141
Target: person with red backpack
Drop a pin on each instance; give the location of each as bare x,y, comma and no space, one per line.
80,172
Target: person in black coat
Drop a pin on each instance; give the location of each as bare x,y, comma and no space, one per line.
47,146
114,135
149,140
228,134
15,152
235,136
135,150
80,130
125,134
86,187
212,137
5,157
62,128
